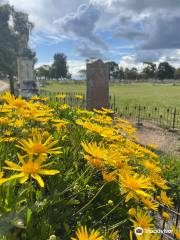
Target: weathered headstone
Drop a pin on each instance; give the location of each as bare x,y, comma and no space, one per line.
97,85
26,79
27,85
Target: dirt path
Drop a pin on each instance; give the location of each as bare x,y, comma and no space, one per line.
3,86
166,141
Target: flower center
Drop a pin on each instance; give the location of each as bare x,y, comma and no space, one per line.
39,148
31,167
132,184
18,103
144,223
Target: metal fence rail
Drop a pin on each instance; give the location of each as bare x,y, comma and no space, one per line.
164,117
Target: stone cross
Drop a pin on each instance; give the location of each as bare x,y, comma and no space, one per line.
97,85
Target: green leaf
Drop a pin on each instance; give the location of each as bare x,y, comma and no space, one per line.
28,215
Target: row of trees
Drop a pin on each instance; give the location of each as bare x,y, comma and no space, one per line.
58,70
150,71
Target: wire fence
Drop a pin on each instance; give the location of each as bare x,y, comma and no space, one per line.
164,117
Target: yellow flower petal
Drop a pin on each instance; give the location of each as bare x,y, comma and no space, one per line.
24,179
13,166
48,172
39,179
20,175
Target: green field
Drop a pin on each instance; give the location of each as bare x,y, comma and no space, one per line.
162,95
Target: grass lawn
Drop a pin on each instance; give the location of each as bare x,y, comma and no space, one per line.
165,95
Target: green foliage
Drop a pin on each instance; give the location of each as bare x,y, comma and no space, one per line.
113,70
43,71
171,168
165,71
8,42
59,67
10,39
77,196
149,70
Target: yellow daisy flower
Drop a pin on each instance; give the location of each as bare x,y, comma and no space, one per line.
79,97
132,212
14,102
83,234
29,168
98,153
151,166
38,144
61,96
176,231
166,216
64,106
107,110
134,185
142,219
150,203
109,177
164,199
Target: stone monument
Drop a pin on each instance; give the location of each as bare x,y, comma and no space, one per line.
97,84
27,86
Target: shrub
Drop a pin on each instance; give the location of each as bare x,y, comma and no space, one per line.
66,168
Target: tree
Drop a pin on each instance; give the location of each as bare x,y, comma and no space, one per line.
165,71
149,70
131,74
43,72
10,35
121,74
8,45
59,67
113,70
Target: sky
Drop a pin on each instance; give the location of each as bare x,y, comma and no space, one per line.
129,32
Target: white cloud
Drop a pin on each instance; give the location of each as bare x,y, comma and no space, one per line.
151,25
129,61
75,66
44,13
173,57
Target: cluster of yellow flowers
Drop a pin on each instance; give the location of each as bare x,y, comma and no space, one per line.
63,96
115,151
16,117
123,160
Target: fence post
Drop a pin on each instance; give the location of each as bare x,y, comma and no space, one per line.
174,118
114,103
139,123
163,227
